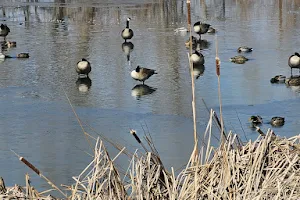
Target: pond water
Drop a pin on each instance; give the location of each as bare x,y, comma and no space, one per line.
38,123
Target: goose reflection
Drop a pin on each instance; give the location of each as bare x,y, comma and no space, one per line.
198,70
197,44
141,90
127,48
83,84
203,44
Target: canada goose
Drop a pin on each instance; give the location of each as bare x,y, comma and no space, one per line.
294,61
83,84
127,48
4,30
238,59
201,28
244,49
20,55
142,74
277,121
293,81
256,120
278,79
83,67
23,55
141,90
197,58
127,33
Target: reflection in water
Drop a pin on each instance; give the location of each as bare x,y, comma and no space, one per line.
203,44
198,70
141,90
197,44
127,48
83,84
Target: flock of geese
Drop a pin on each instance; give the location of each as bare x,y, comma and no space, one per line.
4,31
198,59
293,62
83,67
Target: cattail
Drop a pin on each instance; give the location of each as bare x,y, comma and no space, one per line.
133,132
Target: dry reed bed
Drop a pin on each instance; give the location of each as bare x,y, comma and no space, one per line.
267,168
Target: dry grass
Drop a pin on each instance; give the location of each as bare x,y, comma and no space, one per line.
267,168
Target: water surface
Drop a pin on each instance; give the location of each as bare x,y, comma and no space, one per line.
37,120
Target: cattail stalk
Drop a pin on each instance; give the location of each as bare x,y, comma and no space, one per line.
38,172
133,132
218,73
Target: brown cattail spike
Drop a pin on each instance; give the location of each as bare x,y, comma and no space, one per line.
135,136
188,3
218,66
30,165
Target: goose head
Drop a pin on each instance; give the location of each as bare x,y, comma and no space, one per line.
138,68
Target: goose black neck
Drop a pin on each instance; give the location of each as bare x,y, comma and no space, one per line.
127,24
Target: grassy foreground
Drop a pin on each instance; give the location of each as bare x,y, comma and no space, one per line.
267,168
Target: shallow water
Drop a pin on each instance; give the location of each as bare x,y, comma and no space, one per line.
37,120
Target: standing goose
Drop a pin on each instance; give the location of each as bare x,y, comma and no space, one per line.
294,61
197,58
142,74
201,28
127,33
83,67
4,30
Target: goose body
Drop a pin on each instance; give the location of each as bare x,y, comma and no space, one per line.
294,61
277,121
256,120
293,81
244,49
278,79
127,33
197,58
83,67
142,74
211,30
239,59
4,30
20,55
201,28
